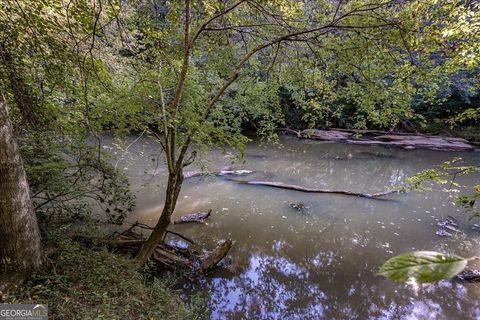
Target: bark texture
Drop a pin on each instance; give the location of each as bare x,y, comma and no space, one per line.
20,247
174,186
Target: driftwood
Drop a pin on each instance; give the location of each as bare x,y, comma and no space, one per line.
165,254
192,174
402,140
144,226
469,275
194,217
214,256
419,142
313,190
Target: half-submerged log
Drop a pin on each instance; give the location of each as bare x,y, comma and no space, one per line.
313,190
469,275
212,258
192,174
165,254
194,217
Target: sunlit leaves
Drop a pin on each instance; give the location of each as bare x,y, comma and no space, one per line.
422,266
447,176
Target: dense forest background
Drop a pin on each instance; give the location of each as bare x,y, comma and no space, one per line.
197,75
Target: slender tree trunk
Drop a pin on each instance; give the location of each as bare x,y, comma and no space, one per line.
175,166
174,185
20,247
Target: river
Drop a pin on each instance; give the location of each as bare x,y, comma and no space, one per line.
319,262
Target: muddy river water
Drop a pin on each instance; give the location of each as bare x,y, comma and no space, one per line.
319,261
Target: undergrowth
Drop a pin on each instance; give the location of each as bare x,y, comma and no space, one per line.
93,283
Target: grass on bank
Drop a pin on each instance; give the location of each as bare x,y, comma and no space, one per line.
84,283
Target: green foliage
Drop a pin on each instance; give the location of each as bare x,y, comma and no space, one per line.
446,176
93,283
65,173
469,202
417,181
422,266
467,115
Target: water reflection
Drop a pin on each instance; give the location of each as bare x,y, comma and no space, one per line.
321,263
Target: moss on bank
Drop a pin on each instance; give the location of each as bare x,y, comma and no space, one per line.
83,283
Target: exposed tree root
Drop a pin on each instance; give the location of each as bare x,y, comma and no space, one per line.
313,190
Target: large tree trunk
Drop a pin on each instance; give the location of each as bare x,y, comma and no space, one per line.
20,247
175,180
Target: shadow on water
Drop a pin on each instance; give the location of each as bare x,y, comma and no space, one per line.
286,264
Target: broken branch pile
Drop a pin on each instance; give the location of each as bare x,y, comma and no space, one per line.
130,241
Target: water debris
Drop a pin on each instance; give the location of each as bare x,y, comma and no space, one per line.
166,254
447,225
194,217
257,156
192,174
469,275
363,156
300,207
443,233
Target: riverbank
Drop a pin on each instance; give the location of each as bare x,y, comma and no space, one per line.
93,283
375,137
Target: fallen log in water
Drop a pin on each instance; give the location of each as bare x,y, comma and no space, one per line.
213,257
192,174
313,190
194,217
468,275
165,254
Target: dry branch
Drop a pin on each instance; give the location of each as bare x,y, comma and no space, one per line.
313,190
213,257
164,254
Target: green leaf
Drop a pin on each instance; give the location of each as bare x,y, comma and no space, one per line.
423,266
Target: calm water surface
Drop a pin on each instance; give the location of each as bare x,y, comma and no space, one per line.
319,263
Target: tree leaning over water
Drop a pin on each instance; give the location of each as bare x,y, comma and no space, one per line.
195,73
249,29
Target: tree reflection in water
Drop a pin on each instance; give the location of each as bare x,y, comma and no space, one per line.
320,264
